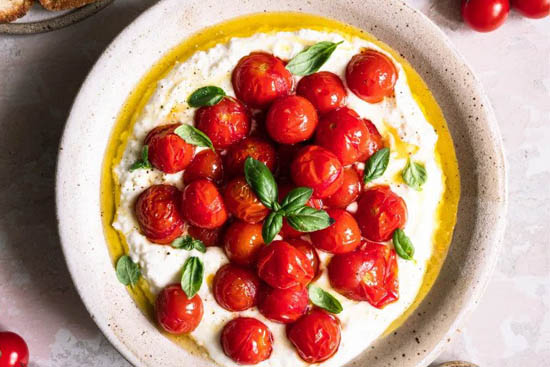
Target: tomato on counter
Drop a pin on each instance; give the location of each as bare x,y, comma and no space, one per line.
485,15
14,352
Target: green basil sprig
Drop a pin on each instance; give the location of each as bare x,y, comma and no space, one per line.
376,165
191,276
193,136
311,59
144,161
127,271
403,244
323,299
189,243
293,207
414,174
206,96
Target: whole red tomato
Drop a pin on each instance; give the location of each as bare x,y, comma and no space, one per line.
202,205
485,15
371,76
310,253
342,236
348,192
291,120
259,78
324,90
235,288
242,242
287,231
242,202
247,340
210,237
207,164
316,335
158,213
13,350
369,274
167,151
283,305
283,266
256,148
532,8
177,313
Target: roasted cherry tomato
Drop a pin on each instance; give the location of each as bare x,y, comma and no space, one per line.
202,205
371,76
318,168
532,8
291,119
210,237
246,340
225,123
283,305
242,242
309,251
259,78
177,313
256,148
380,212
158,213
342,236
13,350
316,335
485,15
369,274
236,288
206,164
287,231
324,89
346,135
283,266
348,192
243,203
167,151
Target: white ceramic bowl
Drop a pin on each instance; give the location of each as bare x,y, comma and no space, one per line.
479,229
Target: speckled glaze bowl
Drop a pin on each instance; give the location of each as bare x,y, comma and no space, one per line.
471,121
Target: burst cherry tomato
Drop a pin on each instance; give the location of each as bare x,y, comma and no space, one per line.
202,205
348,192
371,76
246,340
176,313
485,15
324,89
235,288
158,213
242,242
369,274
380,212
259,78
256,148
210,237
342,236
310,253
283,305
291,119
167,151
13,350
319,169
287,231
283,266
243,203
207,164
225,123
532,8
316,336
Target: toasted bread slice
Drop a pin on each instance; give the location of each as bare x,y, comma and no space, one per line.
64,4
10,10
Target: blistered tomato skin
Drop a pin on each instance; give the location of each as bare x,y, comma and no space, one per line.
287,231
316,336
235,288
283,305
369,274
259,78
324,90
176,313
319,169
14,352
167,151
256,148
202,205
291,120
225,123
348,192
341,237
532,8
309,251
283,266
206,164
242,202
242,242
379,213
210,237
247,341
158,213
485,15
371,76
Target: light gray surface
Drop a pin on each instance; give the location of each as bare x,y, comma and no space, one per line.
39,76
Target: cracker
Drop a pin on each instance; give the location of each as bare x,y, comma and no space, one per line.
64,4
10,10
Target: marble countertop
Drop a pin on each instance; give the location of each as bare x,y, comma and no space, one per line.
41,74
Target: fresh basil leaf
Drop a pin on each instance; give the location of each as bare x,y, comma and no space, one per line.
296,199
260,179
127,271
414,174
403,244
376,165
206,96
193,136
272,226
311,59
189,243
307,219
321,298
191,276
144,161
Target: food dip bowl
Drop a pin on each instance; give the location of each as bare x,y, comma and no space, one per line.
480,221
